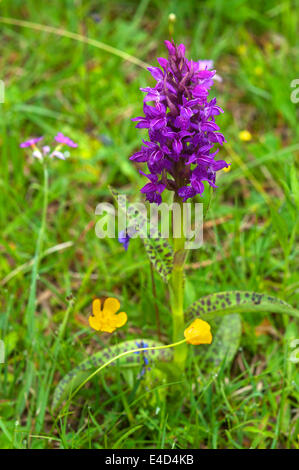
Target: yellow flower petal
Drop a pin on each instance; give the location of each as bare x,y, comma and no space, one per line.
199,332
107,328
245,136
120,319
94,323
112,305
96,307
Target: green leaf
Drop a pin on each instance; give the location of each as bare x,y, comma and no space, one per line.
76,376
136,218
222,310
223,303
122,438
281,228
206,199
160,254
294,185
158,249
10,341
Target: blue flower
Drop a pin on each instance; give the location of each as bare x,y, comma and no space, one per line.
124,239
143,344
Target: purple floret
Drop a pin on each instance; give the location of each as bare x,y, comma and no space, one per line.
181,127
30,142
62,139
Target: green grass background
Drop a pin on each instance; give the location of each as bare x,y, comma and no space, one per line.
54,83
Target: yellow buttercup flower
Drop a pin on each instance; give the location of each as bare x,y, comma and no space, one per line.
199,332
106,319
245,136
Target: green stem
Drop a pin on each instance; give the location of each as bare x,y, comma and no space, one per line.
42,399
177,295
30,310
119,356
65,321
155,300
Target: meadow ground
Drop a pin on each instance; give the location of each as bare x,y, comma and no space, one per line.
54,82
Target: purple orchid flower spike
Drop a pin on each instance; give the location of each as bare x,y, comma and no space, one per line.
181,127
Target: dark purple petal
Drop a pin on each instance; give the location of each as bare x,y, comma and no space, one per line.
156,73
155,156
170,47
186,192
160,188
197,185
191,159
148,188
143,123
152,178
217,137
163,62
157,124
177,146
200,91
181,50
203,74
140,156
209,126
219,165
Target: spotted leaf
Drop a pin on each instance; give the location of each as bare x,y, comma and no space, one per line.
76,376
158,249
160,254
226,340
224,303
